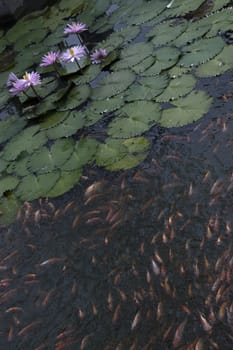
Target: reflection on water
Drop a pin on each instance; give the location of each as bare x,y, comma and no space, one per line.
134,260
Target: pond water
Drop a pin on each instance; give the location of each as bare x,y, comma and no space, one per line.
134,259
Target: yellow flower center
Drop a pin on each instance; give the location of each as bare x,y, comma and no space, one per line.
71,51
26,77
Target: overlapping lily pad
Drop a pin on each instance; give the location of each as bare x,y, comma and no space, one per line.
135,118
186,110
201,51
113,84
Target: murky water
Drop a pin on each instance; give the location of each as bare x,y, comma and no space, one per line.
127,260
138,259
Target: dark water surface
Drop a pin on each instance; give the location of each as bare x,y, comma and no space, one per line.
130,260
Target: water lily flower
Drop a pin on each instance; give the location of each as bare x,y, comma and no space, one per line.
31,79
50,58
73,53
18,86
75,28
12,78
21,85
98,55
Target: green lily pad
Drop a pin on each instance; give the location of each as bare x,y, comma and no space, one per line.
9,208
201,51
36,186
179,7
108,105
77,96
73,122
53,119
137,149
84,151
140,117
177,87
66,182
27,140
132,55
218,65
147,88
46,160
186,110
143,65
110,152
113,84
165,57
195,30
19,167
166,32
10,127
8,183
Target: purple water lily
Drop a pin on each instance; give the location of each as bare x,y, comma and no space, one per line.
22,85
12,78
73,53
75,28
50,58
98,56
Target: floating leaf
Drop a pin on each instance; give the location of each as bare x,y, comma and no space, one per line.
133,54
108,105
32,186
147,88
141,116
84,151
8,183
221,21
201,51
165,57
46,160
143,65
73,122
180,7
220,64
19,167
27,140
195,30
65,183
166,32
9,208
89,74
177,87
110,152
77,96
113,84
186,110
137,149
11,127
53,119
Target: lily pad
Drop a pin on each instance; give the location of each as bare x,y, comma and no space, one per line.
166,32
147,88
36,186
140,116
201,51
84,151
46,160
77,96
9,208
65,183
8,183
113,84
73,122
108,105
186,110
177,87
27,140
137,149
11,127
218,65
165,57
